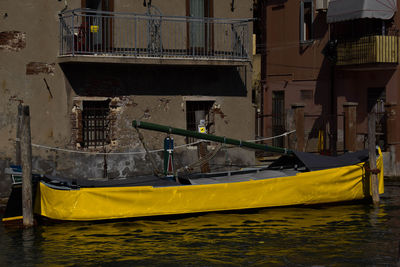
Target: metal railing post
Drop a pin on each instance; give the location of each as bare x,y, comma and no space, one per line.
61,35
135,36
73,34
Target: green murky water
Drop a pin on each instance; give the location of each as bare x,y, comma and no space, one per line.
345,235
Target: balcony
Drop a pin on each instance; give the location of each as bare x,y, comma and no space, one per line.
376,50
106,37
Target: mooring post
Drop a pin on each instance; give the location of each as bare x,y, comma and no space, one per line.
391,137
290,126
18,136
202,146
372,157
26,161
298,110
350,126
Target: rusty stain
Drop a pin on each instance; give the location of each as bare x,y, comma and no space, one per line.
219,112
164,103
4,86
39,67
12,40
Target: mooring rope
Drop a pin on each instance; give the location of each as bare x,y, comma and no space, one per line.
273,137
110,153
140,152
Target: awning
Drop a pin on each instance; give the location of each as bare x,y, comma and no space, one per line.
342,10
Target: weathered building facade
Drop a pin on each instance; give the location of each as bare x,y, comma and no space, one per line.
88,68
319,56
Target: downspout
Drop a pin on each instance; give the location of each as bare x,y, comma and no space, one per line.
333,105
263,63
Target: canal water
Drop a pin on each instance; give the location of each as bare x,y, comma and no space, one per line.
332,235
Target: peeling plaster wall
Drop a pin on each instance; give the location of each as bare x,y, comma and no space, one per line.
30,73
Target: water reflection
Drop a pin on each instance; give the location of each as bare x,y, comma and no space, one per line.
342,235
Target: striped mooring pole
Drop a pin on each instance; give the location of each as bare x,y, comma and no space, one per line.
169,156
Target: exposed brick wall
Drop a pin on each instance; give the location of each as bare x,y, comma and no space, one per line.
12,40
33,68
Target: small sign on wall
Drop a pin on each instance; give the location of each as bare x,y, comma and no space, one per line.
94,28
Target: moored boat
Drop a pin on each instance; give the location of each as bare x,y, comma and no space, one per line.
296,178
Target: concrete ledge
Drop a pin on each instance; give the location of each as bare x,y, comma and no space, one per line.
150,60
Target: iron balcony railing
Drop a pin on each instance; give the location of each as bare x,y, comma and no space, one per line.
368,50
88,32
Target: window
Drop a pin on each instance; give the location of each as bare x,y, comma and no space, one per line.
95,123
196,111
306,20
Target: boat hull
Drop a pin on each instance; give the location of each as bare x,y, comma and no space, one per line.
326,186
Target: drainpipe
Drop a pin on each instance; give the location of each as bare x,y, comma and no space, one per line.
263,63
333,105
333,120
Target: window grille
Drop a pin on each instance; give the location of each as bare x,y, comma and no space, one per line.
95,123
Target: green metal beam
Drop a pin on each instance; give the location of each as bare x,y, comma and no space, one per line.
210,137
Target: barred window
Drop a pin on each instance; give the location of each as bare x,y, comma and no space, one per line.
95,123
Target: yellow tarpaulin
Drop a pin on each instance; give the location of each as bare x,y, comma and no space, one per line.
325,186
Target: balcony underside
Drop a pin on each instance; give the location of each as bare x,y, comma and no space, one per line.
150,60
370,66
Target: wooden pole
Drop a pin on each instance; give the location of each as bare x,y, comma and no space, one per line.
372,157
298,110
350,126
26,160
290,126
391,135
215,138
18,137
202,152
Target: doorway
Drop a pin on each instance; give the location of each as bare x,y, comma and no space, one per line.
97,25
200,29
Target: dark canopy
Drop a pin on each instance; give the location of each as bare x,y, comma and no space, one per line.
315,162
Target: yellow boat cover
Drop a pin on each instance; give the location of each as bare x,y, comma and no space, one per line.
325,186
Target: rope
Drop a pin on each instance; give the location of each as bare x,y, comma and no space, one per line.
156,171
273,137
140,152
188,169
110,153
